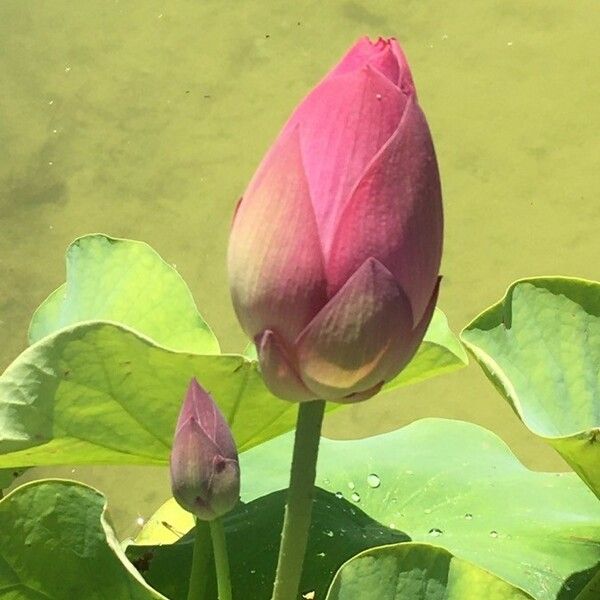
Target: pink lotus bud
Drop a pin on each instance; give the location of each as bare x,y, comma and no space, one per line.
205,472
336,244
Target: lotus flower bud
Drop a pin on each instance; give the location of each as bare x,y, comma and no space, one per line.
335,247
205,472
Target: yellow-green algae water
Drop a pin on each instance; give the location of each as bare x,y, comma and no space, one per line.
146,120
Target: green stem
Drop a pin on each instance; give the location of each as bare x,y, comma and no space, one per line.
296,522
201,575
221,559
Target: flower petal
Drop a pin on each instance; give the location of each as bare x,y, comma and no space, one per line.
201,408
385,55
343,123
224,485
377,54
405,79
402,350
395,215
277,370
191,464
360,396
342,349
275,262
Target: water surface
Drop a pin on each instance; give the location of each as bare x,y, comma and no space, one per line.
145,120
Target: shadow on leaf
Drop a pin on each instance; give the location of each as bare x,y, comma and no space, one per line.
339,530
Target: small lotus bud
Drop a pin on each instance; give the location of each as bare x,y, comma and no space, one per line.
205,472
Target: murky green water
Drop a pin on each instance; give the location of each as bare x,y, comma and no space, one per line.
146,119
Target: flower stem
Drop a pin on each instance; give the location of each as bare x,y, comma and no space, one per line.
296,522
201,576
221,559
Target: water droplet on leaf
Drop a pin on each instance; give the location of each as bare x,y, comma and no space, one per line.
373,480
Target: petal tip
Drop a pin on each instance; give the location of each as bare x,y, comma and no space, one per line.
278,371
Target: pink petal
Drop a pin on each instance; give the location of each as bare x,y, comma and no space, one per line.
191,464
342,349
199,407
378,55
395,215
275,261
192,455
277,370
360,396
343,123
224,485
403,350
405,80
202,481
385,55
205,474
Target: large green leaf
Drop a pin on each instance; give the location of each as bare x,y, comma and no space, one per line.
114,349
592,590
459,485
540,346
338,531
55,543
166,525
98,393
416,572
127,282
447,482
113,352
7,476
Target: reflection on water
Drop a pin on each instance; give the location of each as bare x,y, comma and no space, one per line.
145,120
